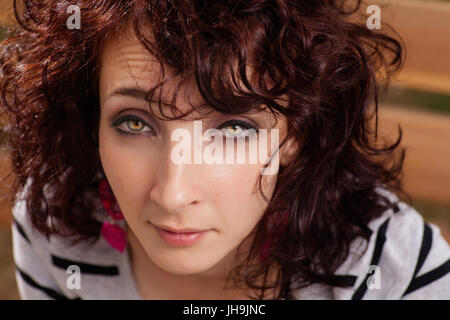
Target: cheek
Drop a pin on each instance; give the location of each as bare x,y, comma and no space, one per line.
234,190
128,170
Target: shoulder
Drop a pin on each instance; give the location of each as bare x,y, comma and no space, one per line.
42,263
405,258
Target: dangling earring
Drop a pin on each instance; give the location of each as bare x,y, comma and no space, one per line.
273,235
113,234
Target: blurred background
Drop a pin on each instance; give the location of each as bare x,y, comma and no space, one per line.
418,100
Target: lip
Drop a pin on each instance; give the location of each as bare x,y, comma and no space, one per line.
180,239
184,230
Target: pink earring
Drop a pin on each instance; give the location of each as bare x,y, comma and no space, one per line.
273,235
112,233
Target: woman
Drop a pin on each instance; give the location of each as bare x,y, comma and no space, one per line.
116,202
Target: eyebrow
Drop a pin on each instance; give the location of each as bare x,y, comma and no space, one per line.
142,94
133,92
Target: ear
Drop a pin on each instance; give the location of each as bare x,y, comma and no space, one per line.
289,151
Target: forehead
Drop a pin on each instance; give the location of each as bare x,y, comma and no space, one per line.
126,63
123,58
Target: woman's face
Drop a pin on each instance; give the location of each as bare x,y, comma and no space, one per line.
152,189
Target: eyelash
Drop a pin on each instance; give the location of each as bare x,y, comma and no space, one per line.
245,126
117,122
231,123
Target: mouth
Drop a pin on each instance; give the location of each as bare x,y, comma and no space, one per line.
180,237
182,230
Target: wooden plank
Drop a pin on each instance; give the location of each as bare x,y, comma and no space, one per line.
425,28
6,11
427,139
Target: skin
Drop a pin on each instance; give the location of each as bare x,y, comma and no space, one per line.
151,189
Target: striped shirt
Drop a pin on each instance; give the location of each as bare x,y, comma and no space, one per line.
406,258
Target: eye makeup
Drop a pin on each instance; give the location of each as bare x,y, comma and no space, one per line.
244,131
127,130
127,119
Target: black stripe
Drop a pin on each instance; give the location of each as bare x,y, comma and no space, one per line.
396,208
379,243
85,267
367,230
50,292
21,231
427,240
428,277
338,280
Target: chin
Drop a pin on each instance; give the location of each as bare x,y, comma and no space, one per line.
183,272
185,265
186,269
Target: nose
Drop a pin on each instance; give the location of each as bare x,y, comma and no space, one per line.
176,186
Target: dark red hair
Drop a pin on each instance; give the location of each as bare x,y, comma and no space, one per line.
307,51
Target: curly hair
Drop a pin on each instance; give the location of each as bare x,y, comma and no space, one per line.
311,52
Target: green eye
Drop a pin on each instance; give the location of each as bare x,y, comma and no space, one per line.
134,125
236,129
233,130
